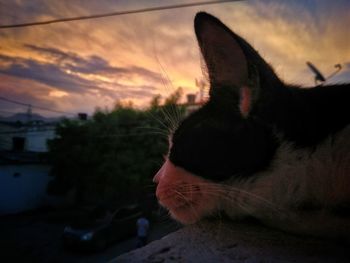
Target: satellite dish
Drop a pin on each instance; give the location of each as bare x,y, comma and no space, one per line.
318,74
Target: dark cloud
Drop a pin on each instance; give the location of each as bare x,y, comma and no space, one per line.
92,64
139,92
25,91
49,74
72,61
55,54
55,72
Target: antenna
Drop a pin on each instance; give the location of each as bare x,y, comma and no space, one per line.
338,67
29,113
318,74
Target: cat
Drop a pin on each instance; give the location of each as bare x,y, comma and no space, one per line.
258,147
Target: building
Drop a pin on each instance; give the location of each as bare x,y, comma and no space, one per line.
192,104
24,170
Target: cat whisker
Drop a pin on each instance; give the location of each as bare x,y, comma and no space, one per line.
223,191
177,113
157,119
242,203
182,196
161,130
171,119
189,204
174,116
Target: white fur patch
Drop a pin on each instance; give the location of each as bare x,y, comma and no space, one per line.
296,179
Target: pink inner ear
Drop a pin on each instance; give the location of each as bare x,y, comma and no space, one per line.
245,101
223,55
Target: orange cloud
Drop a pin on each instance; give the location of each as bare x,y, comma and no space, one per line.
148,47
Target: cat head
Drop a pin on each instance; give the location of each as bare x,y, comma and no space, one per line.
225,139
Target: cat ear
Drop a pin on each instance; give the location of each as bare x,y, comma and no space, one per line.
224,57
227,63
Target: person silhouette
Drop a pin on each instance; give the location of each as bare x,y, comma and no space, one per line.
142,225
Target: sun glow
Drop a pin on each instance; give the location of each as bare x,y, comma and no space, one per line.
57,94
138,56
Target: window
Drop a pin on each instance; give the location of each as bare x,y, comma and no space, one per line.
18,144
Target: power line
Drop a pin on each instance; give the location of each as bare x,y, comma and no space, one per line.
8,112
118,13
15,102
34,106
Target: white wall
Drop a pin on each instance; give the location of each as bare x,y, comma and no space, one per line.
35,137
36,141
23,192
6,134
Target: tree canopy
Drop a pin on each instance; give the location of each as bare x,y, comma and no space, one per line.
115,154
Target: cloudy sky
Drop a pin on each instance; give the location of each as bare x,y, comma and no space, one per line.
78,66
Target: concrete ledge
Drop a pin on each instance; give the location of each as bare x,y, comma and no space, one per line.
222,241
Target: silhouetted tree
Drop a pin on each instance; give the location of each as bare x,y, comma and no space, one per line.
112,156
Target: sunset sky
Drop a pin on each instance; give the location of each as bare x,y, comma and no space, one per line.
78,66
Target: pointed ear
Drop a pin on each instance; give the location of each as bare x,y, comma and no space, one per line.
225,59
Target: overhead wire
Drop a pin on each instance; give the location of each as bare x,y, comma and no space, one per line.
117,13
34,106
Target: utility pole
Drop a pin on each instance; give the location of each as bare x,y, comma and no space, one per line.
29,113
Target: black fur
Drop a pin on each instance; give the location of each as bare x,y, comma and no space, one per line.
217,142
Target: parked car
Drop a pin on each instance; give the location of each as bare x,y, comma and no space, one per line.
102,227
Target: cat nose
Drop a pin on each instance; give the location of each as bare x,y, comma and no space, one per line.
159,174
